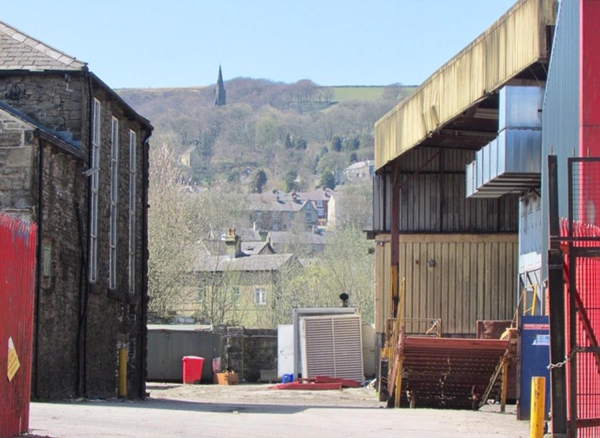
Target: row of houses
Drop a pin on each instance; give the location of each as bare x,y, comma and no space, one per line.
74,159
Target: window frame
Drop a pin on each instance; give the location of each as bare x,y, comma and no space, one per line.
95,187
260,296
132,209
114,203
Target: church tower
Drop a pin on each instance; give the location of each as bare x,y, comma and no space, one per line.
220,90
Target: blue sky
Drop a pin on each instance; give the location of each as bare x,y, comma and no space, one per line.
176,43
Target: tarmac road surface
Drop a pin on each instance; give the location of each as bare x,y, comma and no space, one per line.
245,411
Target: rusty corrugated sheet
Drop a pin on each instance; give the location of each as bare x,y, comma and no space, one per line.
512,44
17,283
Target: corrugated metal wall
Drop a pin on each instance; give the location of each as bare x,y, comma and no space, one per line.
473,277
383,259
509,46
17,280
433,196
561,115
459,278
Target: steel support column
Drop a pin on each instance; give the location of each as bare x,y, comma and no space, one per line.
557,308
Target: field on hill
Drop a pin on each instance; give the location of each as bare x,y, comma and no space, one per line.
272,126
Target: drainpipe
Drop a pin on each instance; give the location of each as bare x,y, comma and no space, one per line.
144,299
40,220
89,213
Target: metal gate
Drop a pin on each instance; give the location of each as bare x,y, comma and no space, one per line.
581,245
17,287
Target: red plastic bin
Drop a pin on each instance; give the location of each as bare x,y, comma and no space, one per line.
192,369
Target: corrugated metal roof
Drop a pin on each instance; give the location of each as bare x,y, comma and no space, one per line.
511,45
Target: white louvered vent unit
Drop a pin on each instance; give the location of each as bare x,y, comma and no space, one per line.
332,347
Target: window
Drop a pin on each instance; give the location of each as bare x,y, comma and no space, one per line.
95,167
258,215
235,294
275,216
200,293
260,296
114,209
320,204
132,207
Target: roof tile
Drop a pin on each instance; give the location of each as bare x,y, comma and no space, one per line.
27,53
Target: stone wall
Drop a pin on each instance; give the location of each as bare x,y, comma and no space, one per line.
248,351
114,317
55,100
17,149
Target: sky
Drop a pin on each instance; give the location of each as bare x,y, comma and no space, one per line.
180,43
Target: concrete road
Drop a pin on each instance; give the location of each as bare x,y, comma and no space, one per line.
179,418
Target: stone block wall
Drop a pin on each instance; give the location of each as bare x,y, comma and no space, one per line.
114,317
17,157
248,351
55,100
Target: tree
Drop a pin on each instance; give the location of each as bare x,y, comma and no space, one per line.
288,141
172,232
301,144
347,265
327,180
258,181
336,143
290,180
352,159
354,205
353,144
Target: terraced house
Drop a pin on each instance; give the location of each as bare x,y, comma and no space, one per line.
74,159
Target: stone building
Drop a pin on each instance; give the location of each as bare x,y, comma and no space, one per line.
280,211
74,159
237,288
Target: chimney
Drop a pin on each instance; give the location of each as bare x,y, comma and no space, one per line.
254,226
233,243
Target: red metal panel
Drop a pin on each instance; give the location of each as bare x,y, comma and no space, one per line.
17,287
587,297
590,103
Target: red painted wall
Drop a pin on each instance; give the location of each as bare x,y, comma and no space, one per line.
17,288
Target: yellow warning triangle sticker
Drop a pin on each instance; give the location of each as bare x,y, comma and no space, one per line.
13,360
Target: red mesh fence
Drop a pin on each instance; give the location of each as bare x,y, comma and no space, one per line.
17,288
587,296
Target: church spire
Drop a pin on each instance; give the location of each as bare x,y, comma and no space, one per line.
220,90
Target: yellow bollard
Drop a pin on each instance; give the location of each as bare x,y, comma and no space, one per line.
123,354
538,406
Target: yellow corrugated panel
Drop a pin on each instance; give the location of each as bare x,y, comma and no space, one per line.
512,44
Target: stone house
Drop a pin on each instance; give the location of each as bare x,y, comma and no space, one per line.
361,169
74,159
279,211
236,288
305,243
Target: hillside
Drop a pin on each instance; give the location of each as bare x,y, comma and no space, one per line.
298,129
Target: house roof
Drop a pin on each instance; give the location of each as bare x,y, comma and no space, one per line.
315,195
360,165
272,202
278,200
252,263
255,248
19,51
305,238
